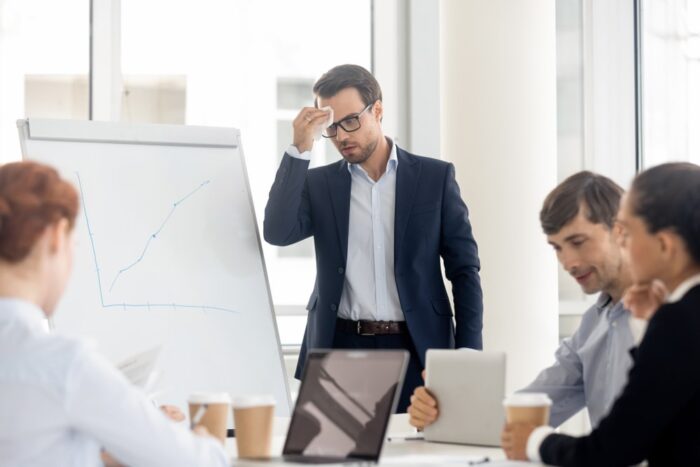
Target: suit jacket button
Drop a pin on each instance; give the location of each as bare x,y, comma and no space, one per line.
333,307
341,270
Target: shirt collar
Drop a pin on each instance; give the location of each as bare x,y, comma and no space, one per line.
23,312
683,288
612,311
603,301
392,163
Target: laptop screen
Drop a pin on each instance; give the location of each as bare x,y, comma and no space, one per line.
344,403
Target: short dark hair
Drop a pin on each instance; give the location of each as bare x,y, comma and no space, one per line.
349,76
598,195
668,197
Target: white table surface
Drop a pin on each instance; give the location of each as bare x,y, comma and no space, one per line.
397,452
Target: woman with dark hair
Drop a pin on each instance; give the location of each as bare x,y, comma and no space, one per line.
60,403
657,416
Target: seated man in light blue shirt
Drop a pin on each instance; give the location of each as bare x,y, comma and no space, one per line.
591,366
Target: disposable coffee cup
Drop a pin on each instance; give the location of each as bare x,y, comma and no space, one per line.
528,408
253,417
210,410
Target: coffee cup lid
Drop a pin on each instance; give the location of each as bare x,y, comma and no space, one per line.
209,398
243,402
527,399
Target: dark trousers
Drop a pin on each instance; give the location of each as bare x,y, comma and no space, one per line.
413,379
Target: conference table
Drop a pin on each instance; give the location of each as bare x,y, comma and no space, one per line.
400,448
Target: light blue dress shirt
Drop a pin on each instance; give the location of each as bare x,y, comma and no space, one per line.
591,366
369,291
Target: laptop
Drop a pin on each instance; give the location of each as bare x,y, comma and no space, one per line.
345,400
470,387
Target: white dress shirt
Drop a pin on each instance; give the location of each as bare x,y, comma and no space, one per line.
60,403
369,291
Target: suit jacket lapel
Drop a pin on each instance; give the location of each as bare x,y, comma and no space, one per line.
407,177
339,188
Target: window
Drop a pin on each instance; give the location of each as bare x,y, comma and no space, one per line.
570,114
670,58
595,104
44,64
233,63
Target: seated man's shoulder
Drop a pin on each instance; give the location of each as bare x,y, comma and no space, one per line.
591,318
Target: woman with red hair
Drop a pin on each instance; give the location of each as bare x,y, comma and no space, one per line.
61,403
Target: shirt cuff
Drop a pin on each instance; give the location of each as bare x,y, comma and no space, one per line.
294,152
535,441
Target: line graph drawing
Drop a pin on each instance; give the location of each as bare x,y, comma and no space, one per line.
147,305
155,234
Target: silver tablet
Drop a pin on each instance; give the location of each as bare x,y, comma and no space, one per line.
469,386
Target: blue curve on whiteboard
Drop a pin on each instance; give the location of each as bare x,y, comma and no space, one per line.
149,305
155,234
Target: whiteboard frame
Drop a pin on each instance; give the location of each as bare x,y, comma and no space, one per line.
160,135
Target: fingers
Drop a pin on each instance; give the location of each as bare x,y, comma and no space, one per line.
423,409
507,441
424,401
514,439
659,291
173,413
642,300
418,419
306,123
310,116
422,374
201,430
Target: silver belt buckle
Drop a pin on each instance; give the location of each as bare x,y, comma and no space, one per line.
359,330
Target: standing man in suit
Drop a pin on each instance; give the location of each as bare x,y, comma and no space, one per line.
381,219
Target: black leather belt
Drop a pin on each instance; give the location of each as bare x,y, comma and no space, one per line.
371,328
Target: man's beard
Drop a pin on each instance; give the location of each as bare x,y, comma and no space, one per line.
365,153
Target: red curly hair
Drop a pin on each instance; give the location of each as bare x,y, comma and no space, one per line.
32,197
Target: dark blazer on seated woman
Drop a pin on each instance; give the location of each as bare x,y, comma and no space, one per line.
657,416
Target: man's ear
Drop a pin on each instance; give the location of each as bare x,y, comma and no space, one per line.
378,110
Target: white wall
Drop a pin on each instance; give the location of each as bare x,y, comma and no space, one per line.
498,126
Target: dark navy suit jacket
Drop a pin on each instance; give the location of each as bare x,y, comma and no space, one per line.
431,221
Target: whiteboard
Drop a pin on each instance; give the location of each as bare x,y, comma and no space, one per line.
167,252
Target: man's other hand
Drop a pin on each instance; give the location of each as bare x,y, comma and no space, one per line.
514,440
423,410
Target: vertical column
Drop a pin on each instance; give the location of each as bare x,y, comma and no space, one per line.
390,65
424,78
12,72
498,126
105,60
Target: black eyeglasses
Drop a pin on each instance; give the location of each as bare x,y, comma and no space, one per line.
349,124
